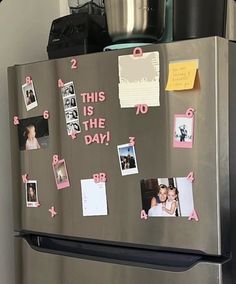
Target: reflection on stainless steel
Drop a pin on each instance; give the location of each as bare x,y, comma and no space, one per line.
135,20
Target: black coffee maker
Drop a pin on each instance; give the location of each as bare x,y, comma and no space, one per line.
83,31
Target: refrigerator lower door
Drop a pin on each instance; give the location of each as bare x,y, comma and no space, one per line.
38,268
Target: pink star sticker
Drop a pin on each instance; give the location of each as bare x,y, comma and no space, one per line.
53,212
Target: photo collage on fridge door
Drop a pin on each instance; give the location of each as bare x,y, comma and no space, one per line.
140,91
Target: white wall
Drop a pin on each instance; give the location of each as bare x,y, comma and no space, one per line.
24,30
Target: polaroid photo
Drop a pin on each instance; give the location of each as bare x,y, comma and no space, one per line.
29,95
73,127
31,191
167,197
61,175
68,89
183,131
127,159
33,133
69,102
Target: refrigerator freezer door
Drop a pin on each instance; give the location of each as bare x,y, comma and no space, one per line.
41,268
156,157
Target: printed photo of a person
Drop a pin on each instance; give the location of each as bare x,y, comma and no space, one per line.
61,175
31,193
167,197
31,141
33,133
29,96
183,131
127,159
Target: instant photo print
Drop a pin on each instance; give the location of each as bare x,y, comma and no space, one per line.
183,131
167,197
127,159
29,94
31,191
33,133
61,175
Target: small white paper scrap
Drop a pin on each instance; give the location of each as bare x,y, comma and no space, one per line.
139,78
94,199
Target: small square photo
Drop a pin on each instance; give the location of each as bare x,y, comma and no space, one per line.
61,175
33,133
29,94
68,89
69,102
127,159
31,193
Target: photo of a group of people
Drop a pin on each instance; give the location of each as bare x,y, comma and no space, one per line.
31,191
70,108
167,197
29,94
33,133
183,131
127,159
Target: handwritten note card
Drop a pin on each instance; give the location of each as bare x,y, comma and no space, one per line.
94,199
139,80
182,75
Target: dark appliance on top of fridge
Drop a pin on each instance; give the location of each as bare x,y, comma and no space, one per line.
119,247
82,32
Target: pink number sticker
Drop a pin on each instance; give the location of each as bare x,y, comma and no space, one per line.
53,212
46,114
100,177
16,120
190,177
28,80
60,83
137,52
25,178
193,216
143,215
55,160
132,141
74,63
143,108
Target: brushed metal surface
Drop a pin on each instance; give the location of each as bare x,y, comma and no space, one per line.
135,19
156,157
41,268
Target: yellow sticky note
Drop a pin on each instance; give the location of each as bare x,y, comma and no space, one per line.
182,75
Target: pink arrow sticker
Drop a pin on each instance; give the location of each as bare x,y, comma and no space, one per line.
25,178
193,216
53,212
190,177
143,215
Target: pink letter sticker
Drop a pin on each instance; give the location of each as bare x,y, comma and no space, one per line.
190,177
53,212
143,215
25,178
60,83
16,120
193,216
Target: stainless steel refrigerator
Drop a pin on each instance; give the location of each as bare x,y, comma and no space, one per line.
120,247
